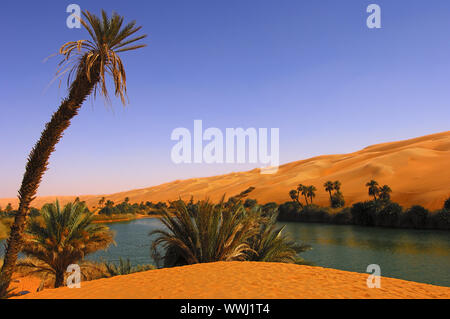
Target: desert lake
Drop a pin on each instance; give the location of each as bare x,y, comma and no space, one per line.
415,255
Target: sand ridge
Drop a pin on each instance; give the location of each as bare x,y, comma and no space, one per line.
244,280
415,169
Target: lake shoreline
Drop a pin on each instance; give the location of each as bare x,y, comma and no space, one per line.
120,220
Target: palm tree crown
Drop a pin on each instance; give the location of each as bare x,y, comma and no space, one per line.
215,233
373,188
329,186
385,193
220,233
99,55
304,190
311,192
337,186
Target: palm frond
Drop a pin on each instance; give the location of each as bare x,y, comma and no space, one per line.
63,237
96,58
220,233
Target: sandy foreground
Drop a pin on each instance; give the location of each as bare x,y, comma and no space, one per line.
415,169
244,280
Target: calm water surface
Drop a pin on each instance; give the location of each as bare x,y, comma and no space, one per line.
417,255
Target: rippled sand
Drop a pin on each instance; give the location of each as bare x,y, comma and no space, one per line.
246,280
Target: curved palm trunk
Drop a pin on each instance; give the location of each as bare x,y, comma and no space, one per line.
37,164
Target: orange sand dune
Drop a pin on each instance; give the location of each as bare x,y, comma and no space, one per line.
416,169
244,280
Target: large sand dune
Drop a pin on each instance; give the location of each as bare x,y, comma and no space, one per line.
417,170
243,280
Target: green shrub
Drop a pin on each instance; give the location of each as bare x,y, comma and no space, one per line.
415,217
447,205
343,217
364,213
337,200
315,214
219,233
388,215
440,219
289,211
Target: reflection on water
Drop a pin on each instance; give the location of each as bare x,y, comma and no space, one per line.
407,242
417,255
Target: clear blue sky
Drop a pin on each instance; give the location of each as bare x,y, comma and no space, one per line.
311,68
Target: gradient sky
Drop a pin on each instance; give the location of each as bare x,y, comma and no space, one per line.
311,68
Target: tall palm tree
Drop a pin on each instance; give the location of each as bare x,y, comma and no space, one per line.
64,237
272,245
373,188
385,193
311,192
329,187
304,191
88,61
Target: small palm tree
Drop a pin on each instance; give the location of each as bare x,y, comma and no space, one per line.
214,233
88,62
385,193
222,233
329,187
63,237
311,192
272,245
374,190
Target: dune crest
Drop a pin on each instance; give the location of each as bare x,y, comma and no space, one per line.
415,169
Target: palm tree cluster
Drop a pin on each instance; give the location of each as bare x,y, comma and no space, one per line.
336,198
308,192
382,193
219,232
87,62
